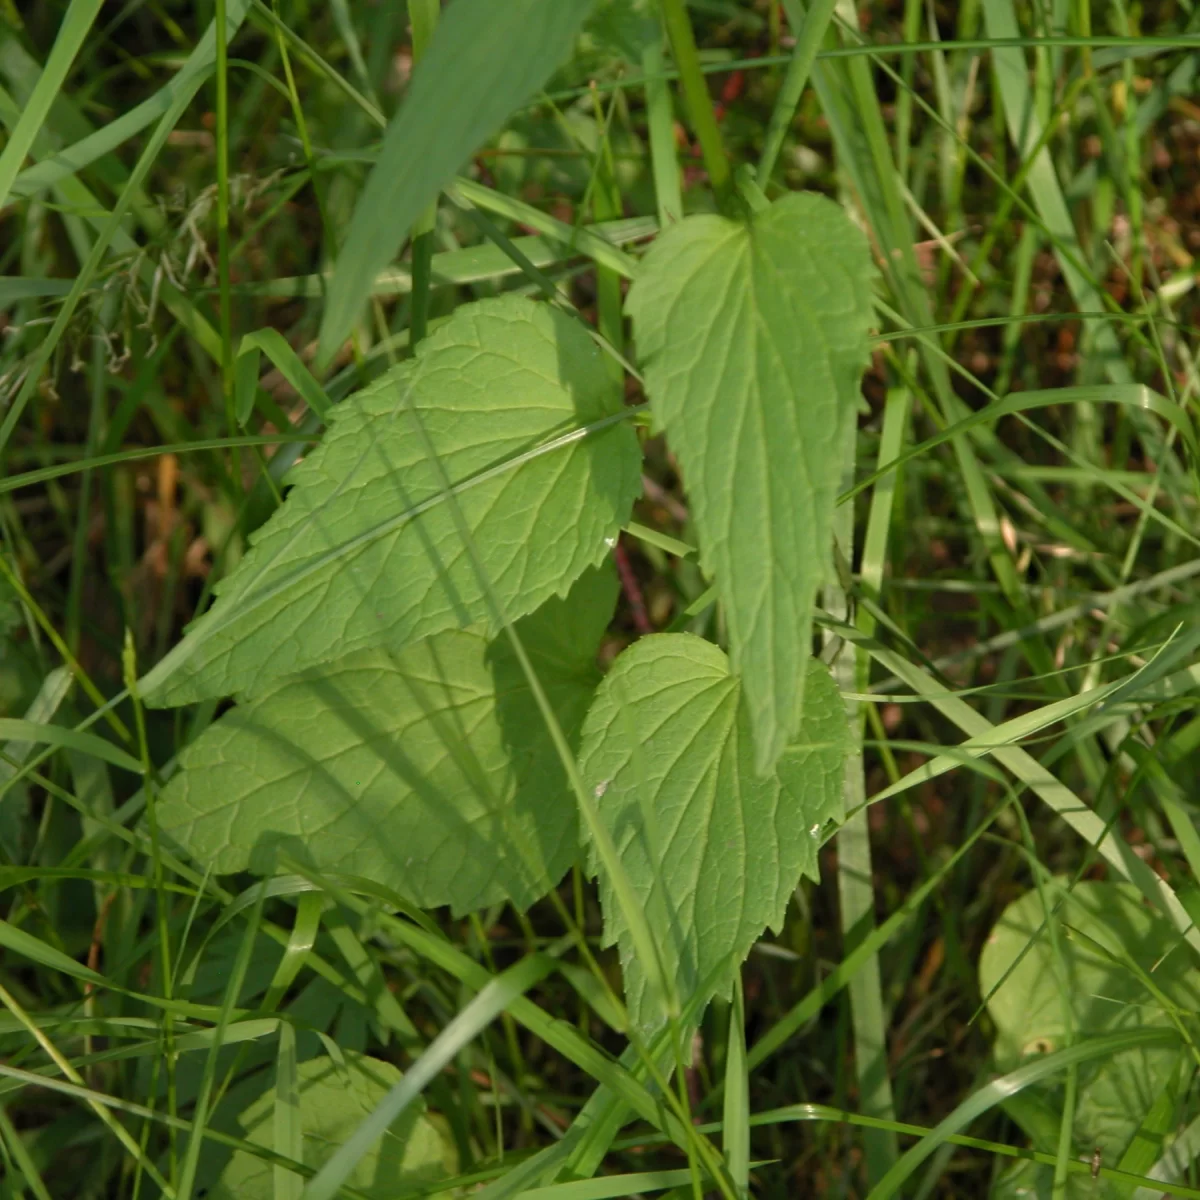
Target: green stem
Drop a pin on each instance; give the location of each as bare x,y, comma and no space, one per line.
423,15
226,319
695,95
808,41
422,282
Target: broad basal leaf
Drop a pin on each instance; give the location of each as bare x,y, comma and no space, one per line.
1033,990
485,60
712,849
429,771
334,1098
753,336
365,551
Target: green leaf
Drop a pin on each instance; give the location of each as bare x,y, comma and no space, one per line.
365,551
712,849
1103,928
429,771
334,1098
485,61
76,23
753,336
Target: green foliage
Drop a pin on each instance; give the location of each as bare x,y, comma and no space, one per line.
428,770
1111,965
754,339
712,849
331,1099
501,681
519,409
462,92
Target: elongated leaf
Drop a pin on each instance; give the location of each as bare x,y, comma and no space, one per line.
365,552
35,733
754,337
332,1099
485,60
75,26
429,771
713,849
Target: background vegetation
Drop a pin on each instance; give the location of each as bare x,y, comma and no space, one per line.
1030,591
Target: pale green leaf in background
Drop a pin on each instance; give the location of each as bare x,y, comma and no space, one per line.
753,336
485,61
429,771
334,1099
712,849
1103,995
365,551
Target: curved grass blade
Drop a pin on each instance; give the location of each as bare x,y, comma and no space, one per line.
76,22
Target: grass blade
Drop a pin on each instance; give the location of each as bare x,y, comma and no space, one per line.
461,93
808,42
75,25
736,1131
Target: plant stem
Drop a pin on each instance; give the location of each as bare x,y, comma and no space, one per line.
423,14
696,97
226,319
808,41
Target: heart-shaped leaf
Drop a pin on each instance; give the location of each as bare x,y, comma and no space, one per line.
753,336
712,849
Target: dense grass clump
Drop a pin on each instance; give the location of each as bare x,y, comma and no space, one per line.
599,597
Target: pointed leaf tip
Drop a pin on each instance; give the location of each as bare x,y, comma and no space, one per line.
754,337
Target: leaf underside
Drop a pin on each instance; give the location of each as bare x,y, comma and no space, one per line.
753,336
429,771
712,849
365,551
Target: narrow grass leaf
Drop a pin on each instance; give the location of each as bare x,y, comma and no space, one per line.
484,61
1131,395
609,1187
808,42
365,552
286,361
32,732
712,849
736,1127
204,1098
66,163
76,22
753,336
585,239
288,1130
17,941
